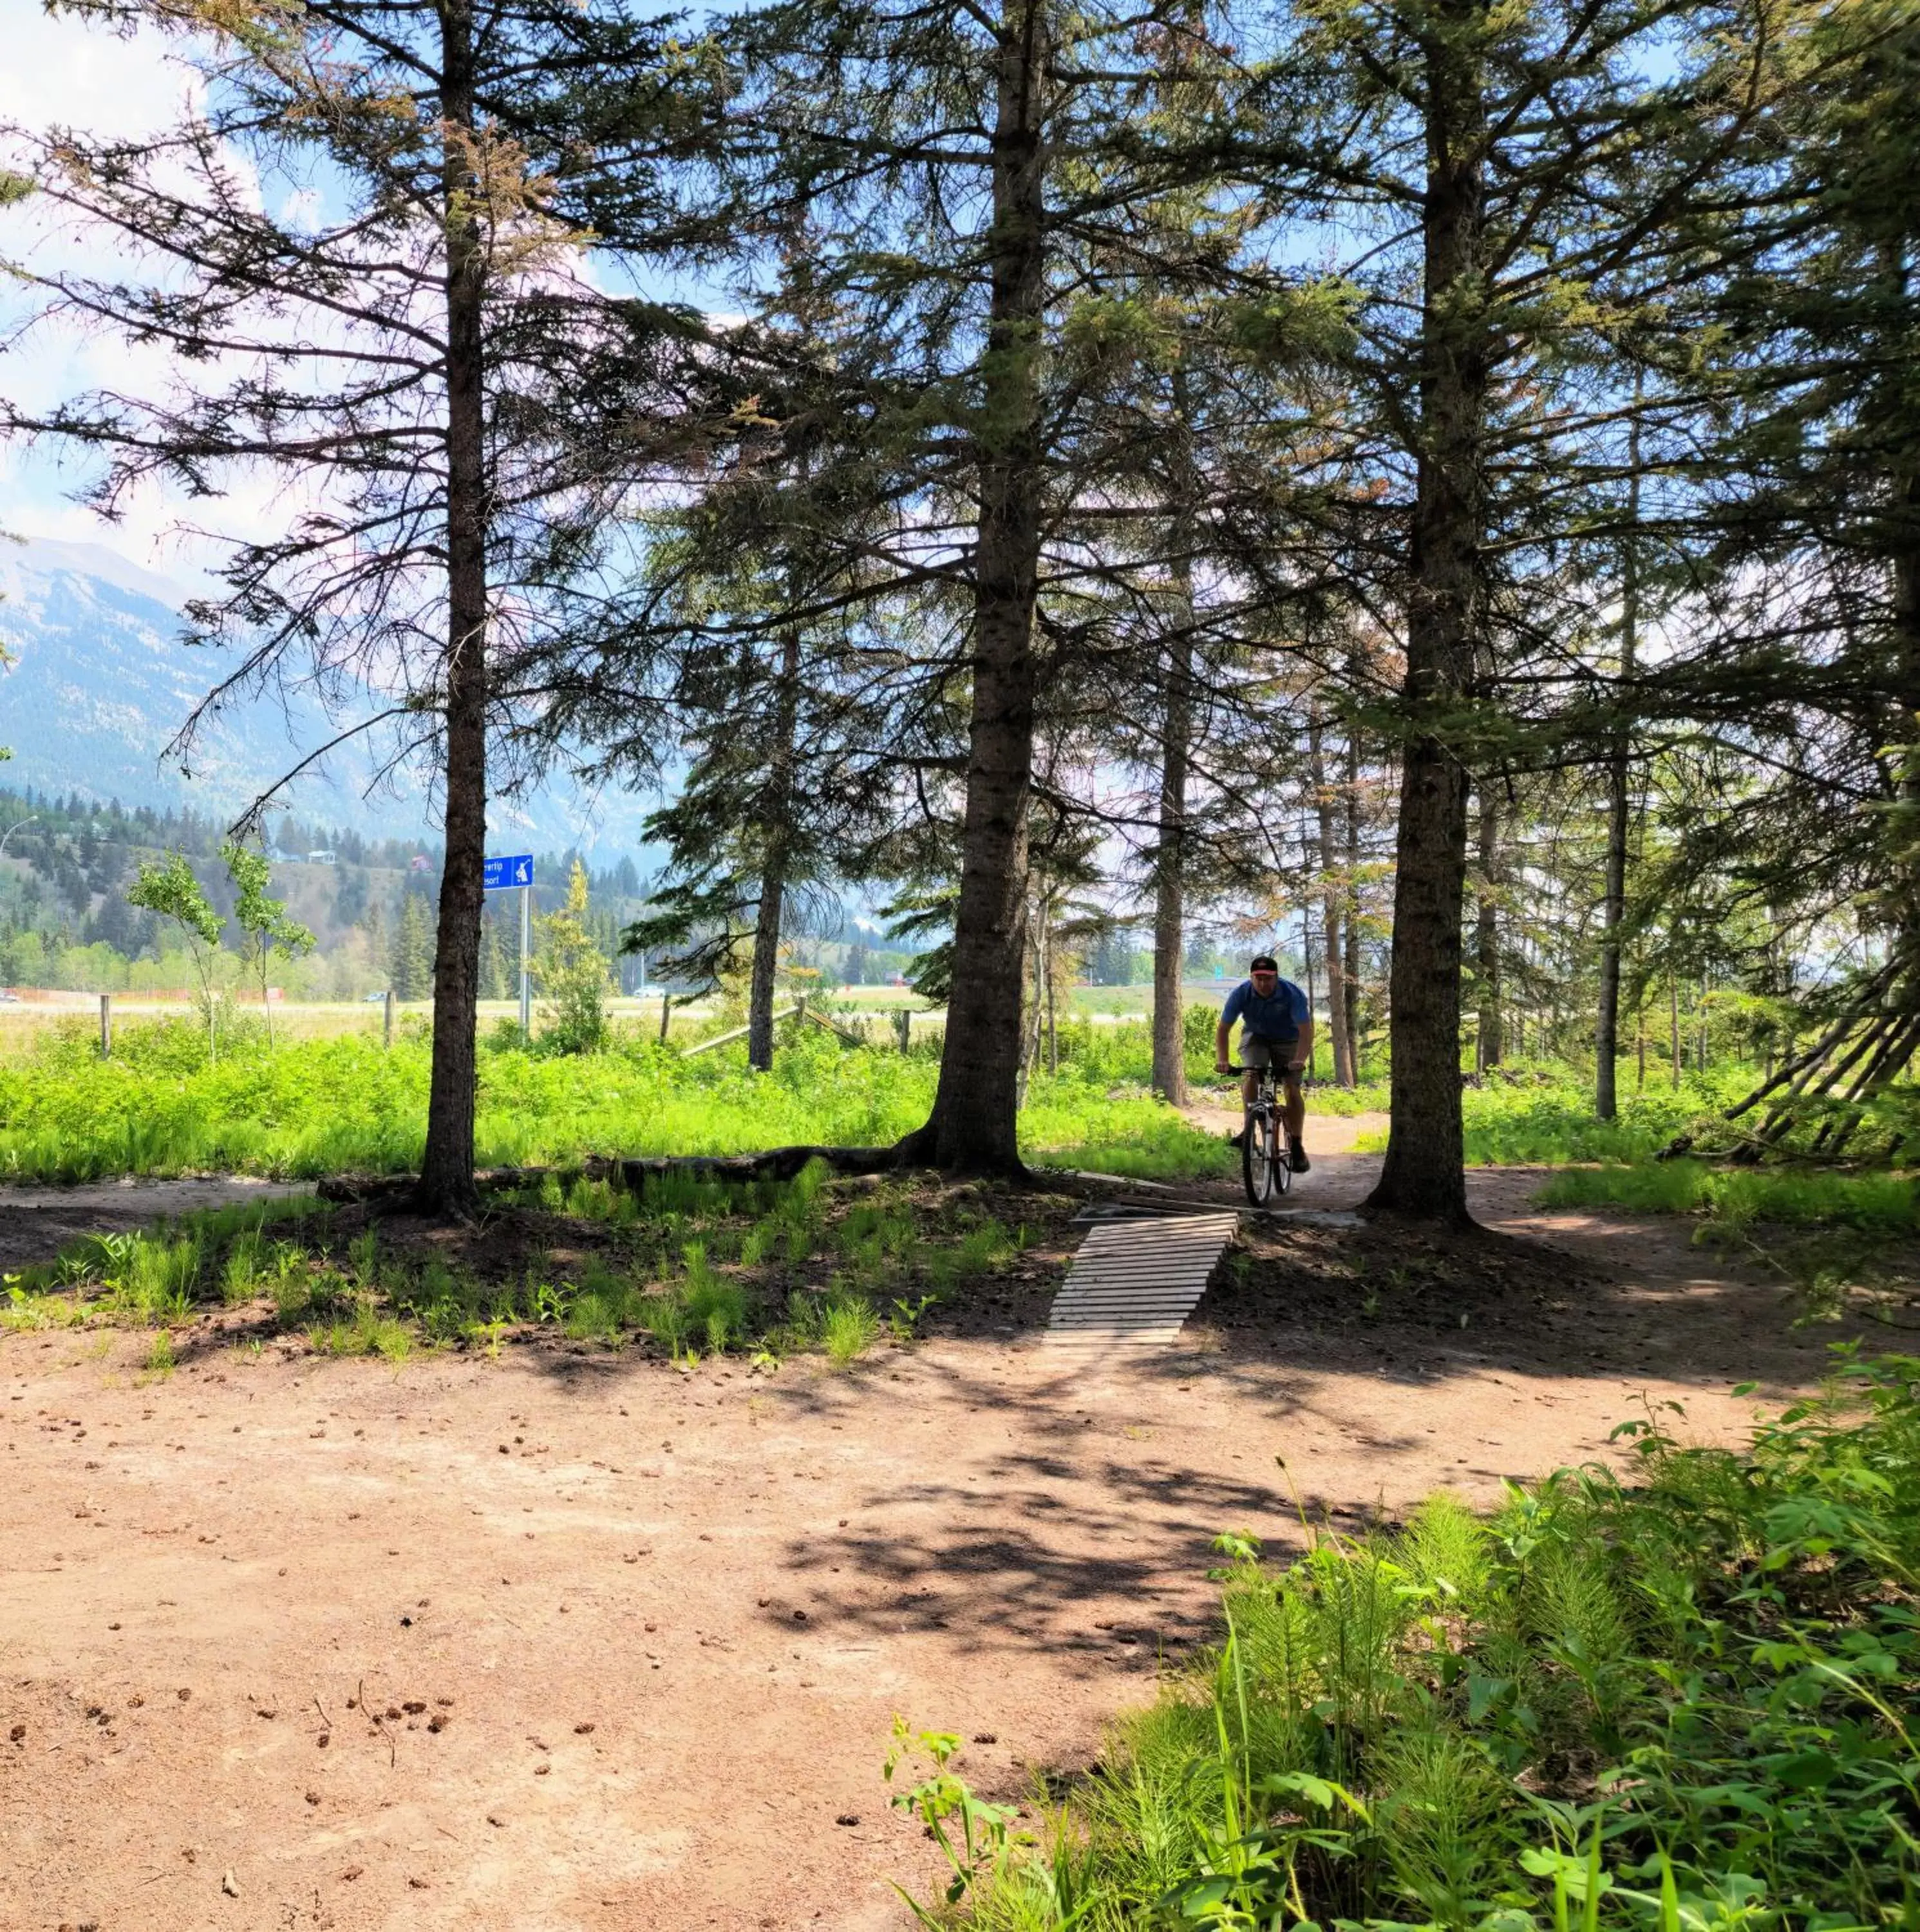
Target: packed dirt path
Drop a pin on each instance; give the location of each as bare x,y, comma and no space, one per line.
663,1619
36,1222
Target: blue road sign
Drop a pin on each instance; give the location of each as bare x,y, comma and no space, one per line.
514,870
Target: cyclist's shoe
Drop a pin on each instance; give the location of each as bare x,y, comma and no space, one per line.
1296,1157
1239,1140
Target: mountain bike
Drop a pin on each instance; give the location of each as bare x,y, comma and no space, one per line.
1264,1165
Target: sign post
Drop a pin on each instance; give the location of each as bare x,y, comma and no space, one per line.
507,874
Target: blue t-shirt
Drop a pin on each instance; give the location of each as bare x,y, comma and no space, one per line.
1280,1016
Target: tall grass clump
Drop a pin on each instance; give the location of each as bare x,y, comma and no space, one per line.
1873,1203
1548,1125
848,1328
1689,1702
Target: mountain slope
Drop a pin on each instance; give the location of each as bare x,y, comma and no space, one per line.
101,681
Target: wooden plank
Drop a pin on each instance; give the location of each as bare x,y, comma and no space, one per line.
1134,1283
738,1033
1198,1269
1181,1304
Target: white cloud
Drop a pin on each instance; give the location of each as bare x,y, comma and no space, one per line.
62,72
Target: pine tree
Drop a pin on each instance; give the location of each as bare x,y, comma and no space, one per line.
410,968
572,974
410,348
493,976
934,184
1518,185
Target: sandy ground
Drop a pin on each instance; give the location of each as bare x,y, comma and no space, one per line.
36,1222
662,1620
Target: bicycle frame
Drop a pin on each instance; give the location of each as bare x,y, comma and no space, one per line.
1264,1165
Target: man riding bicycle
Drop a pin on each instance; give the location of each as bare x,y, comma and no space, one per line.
1277,1031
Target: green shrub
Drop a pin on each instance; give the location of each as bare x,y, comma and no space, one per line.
848,1328
1688,1703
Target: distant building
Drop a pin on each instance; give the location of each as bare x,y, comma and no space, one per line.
325,856
420,862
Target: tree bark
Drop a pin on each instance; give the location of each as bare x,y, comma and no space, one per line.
1607,1029
1424,1175
1343,1071
1170,937
973,1128
775,851
1487,932
446,1172
1674,1025
1352,975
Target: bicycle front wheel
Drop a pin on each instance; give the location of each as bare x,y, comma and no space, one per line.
1257,1156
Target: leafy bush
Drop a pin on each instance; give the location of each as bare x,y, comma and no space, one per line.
1688,1703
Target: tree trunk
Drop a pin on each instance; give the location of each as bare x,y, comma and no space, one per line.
974,1126
1352,975
1424,1174
1343,1072
774,868
1169,1043
446,1171
1674,1025
1607,1029
1487,932
1053,1026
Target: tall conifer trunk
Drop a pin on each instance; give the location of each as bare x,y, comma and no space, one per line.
446,1172
1607,1031
1352,975
1343,1072
1424,1174
1170,938
1487,933
973,1126
775,863
1176,718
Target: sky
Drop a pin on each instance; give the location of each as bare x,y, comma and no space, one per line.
58,71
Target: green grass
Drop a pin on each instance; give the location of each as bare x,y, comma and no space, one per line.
1549,1122
1690,1703
702,1266
1873,1203
346,1104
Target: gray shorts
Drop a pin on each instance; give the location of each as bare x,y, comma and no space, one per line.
1277,1054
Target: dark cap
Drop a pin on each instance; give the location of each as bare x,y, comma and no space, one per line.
1263,962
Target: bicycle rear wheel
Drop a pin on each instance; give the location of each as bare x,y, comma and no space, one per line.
1258,1164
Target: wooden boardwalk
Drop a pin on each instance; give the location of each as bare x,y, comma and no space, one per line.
1135,1281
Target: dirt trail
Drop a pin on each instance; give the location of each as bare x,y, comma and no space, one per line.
36,1222
668,1617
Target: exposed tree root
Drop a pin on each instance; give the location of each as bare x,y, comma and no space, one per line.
401,1190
